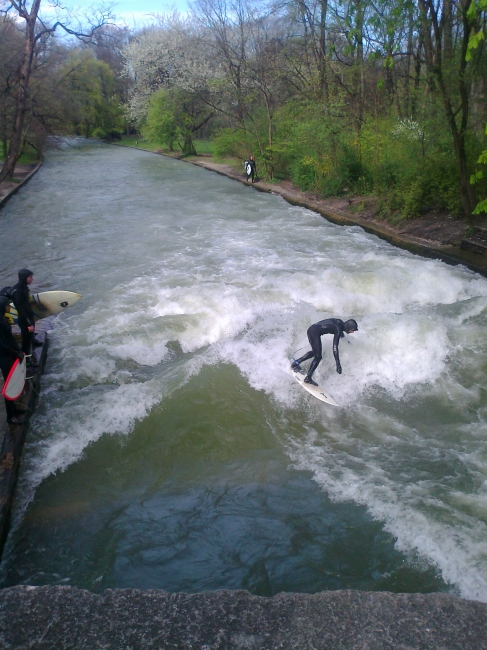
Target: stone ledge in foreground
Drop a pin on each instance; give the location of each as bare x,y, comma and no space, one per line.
41,618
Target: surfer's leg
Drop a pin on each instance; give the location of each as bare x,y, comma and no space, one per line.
10,408
315,341
314,364
305,357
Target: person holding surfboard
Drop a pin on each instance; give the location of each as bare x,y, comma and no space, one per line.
26,320
250,168
9,352
333,326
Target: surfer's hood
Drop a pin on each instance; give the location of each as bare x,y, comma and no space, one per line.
24,274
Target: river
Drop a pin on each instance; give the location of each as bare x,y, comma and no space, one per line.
173,449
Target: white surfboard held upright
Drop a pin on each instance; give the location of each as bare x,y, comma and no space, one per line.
316,391
48,303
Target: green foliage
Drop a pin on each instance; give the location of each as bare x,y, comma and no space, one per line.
173,117
408,163
27,157
110,135
92,103
479,180
235,143
476,37
435,186
161,124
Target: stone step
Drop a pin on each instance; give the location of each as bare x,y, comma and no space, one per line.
475,245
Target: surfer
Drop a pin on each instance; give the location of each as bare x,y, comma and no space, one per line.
9,352
26,322
250,168
333,326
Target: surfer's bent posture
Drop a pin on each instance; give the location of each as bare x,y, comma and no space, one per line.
9,351
333,326
21,298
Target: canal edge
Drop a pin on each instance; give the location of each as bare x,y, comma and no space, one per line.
13,438
15,189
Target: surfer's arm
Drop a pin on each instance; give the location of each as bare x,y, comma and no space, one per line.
22,304
336,341
29,314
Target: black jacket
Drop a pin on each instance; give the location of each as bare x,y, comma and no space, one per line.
9,349
21,298
333,326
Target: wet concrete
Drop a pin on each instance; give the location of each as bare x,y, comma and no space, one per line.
43,618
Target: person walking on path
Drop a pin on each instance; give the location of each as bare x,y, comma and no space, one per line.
26,322
9,352
333,326
250,169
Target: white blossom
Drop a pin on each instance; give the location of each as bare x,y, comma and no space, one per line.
408,129
170,55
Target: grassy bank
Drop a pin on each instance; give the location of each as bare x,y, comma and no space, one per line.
29,157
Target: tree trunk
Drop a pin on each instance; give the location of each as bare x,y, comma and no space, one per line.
435,57
359,63
409,55
323,57
188,146
15,145
4,130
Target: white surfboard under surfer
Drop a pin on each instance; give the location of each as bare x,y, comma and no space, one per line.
333,326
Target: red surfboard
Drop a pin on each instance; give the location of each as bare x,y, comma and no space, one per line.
14,384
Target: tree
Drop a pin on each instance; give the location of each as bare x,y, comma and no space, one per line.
36,31
10,56
161,123
476,39
446,30
175,114
92,103
172,57
248,39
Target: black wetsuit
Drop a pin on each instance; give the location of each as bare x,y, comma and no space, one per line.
9,351
253,169
333,326
21,299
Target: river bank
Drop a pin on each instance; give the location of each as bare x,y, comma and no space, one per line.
23,173
12,436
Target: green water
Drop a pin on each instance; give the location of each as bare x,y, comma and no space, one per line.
172,448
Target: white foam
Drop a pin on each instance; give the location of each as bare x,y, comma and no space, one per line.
456,550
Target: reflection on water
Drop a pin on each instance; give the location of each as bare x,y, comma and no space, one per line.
173,449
